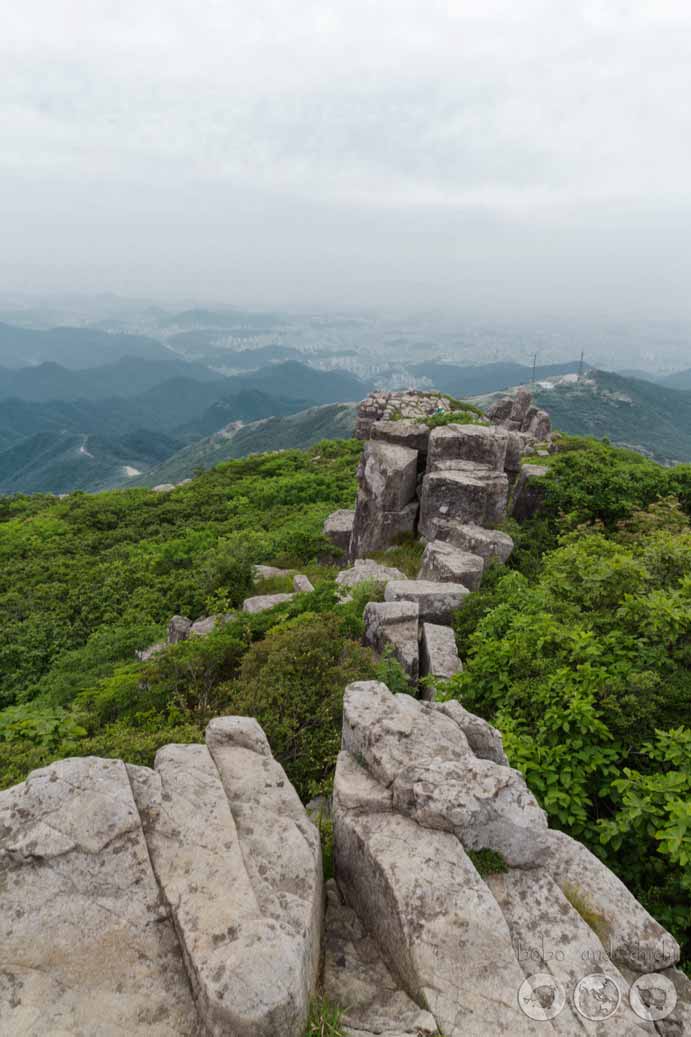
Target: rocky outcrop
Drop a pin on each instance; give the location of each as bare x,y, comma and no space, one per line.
183,901
474,495
418,788
385,406
386,502
518,413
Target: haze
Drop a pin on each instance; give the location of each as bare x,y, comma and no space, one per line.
480,153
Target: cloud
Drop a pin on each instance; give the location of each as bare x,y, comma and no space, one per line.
549,112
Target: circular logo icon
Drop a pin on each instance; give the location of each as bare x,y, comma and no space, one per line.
597,997
653,997
541,996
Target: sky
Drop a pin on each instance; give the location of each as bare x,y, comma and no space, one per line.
531,154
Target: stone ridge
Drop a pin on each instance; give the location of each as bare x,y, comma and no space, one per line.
419,785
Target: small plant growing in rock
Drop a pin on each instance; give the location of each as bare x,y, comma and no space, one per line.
325,1019
487,862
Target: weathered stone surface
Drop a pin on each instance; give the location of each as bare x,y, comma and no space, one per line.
338,528
475,443
364,570
302,585
476,496
387,483
438,654
280,845
446,563
437,601
179,629
529,492
268,572
163,487
630,934
539,425
436,922
86,945
402,433
488,543
436,779
356,977
248,938
514,450
410,404
262,602
550,937
393,624
206,625
484,740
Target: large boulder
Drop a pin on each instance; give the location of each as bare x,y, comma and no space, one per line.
438,654
179,629
490,544
338,528
239,865
437,601
476,443
441,561
207,624
87,946
394,625
528,495
386,502
474,494
420,787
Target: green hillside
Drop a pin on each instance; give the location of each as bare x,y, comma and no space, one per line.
644,415
579,650
296,431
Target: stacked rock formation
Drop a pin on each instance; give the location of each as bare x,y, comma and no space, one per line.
412,404
183,901
519,414
187,901
419,787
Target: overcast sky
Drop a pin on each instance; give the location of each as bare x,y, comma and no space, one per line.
493,152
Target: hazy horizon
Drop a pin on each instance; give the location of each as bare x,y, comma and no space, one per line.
462,156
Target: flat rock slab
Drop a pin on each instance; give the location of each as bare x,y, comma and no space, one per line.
438,654
446,563
302,585
205,626
550,937
484,740
437,601
87,946
356,977
632,936
364,570
269,572
490,544
482,445
263,602
394,625
410,434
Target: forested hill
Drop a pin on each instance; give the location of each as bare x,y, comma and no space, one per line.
578,649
